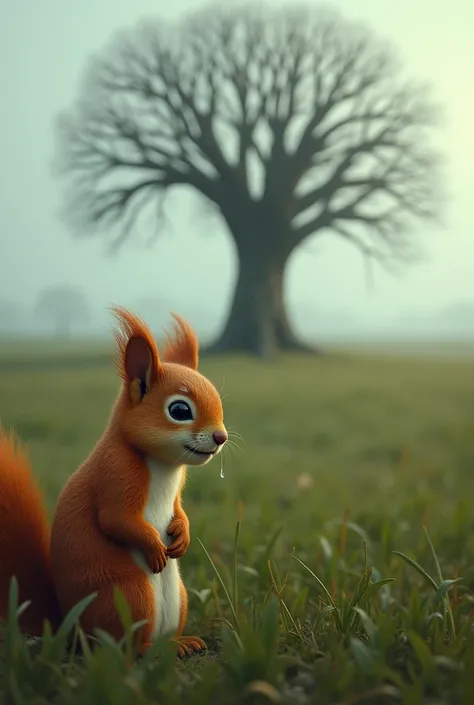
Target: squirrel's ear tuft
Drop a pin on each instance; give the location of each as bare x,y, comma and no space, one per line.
182,346
137,357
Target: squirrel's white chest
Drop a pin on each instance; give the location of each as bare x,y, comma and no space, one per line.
163,488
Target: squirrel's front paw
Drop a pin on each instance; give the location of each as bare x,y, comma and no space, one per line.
157,558
179,529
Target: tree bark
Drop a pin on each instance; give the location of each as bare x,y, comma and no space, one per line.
258,322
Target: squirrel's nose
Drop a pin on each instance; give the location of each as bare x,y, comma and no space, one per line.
219,437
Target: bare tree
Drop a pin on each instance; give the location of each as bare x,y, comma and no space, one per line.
63,305
289,122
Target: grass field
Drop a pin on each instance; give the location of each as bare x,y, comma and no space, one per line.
343,462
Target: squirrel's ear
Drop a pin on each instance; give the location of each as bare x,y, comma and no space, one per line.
139,367
137,358
182,347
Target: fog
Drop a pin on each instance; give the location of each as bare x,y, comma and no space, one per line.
190,267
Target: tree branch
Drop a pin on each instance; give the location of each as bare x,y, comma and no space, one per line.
339,137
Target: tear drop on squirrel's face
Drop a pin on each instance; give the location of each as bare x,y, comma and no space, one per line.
169,411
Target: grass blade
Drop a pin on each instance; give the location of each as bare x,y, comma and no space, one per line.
433,553
337,616
320,582
417,567
234,567
222,584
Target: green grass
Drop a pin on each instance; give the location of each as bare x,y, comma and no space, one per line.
320,567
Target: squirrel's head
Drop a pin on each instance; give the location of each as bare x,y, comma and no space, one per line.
168,410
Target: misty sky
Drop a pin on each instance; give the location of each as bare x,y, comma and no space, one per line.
43,50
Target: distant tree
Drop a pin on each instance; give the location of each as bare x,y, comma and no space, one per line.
289,122
11,316
63,306
459,317
462,311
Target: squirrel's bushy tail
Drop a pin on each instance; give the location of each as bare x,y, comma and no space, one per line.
24,541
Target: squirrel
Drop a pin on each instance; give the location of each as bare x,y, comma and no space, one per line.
119,520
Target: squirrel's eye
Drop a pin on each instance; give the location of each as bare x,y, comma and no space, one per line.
180,411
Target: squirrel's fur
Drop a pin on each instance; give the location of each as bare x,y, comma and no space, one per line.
119,519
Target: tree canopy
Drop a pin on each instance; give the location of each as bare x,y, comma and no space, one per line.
290,121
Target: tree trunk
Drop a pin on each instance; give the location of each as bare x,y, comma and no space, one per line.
63,326
258,323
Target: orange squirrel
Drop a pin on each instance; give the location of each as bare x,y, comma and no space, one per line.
119,520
